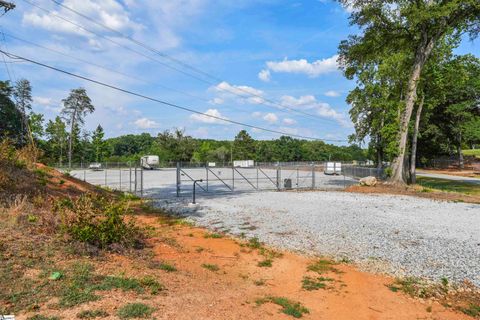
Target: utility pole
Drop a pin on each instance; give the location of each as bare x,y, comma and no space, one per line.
7,6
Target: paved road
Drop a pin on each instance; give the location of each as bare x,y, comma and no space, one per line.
448,177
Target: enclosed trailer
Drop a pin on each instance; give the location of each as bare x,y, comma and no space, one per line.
149,162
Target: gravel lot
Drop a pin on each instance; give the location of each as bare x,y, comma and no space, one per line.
399,235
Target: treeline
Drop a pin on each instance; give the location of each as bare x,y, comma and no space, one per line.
64,141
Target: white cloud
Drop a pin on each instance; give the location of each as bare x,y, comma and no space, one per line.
42,101
332,93
217,101
264,75
310,103
312,69
270,117
108,12
207,119
256,114
243,94
289,122
145,123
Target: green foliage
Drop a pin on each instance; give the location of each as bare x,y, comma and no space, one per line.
265,263
289,307
99,222
473,310
309,283
135,310
167,267
323,266
212,235
42,317
449,185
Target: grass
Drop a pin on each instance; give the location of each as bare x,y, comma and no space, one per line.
167,267
267,263
135,310
259,283
323,266
42,317
472,152
310,284
91,314
472,310
449,185
289,307
212,235
211,267
415,287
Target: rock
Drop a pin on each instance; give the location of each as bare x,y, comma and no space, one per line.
368,181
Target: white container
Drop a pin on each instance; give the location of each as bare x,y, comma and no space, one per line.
244,163
334,168
149,162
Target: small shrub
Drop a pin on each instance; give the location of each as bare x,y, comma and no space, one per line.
42,317
90,314
291,308
134,310
254,243
167,267
323,266
211,267
212,236
152,284
74,296
472,310
61,182
265,263
310,284
94,220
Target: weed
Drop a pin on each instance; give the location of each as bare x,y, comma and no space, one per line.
310,284
61,182
42,317
167,267
153,285
472,310
323,266
125,284
291,308
199,249
211,267
93,220
90,314
415,287
74,296
134,310
212,236
265,263
254,243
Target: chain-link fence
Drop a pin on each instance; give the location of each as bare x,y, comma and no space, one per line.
180,179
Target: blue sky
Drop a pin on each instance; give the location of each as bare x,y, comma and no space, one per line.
281,51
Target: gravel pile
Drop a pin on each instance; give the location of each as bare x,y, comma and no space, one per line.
399,235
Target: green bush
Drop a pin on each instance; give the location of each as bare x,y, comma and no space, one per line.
94,220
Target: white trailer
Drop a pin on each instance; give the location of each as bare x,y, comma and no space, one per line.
244,163
149,162
334,168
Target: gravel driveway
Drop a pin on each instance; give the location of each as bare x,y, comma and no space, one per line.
399,235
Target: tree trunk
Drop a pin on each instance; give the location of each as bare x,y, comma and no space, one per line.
399,172
413,159
70,140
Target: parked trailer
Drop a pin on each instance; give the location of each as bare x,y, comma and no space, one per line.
333,168
244,163
149,162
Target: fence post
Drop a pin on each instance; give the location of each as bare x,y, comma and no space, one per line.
130,176
136,178
206,169
233,177
120,171
313,176
257,176
279,170
106,170
141,181
178,179
298,186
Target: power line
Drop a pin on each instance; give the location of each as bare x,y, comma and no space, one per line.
161,101
262,100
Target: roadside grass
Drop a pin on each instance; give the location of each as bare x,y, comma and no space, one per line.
289,307
42,317
267,263
213,235
472,152
448,186
268,254
323,266
91,314
163,266
310,284
465,299
135,310
211,267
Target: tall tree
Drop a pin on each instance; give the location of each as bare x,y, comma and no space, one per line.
10,117
98,144
22,93
57,138
243,146
413,27
75,107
